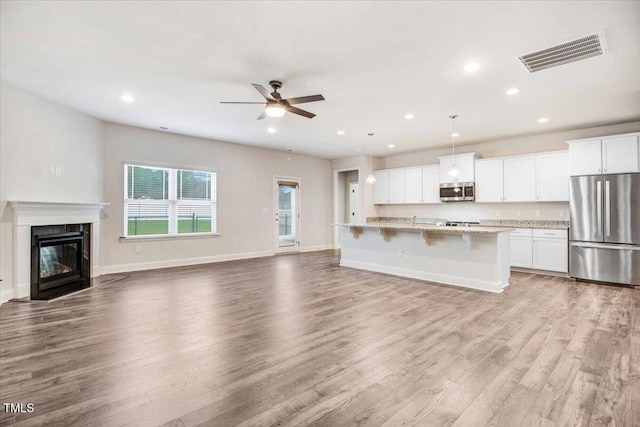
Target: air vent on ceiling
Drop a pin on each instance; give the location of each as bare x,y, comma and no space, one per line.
575,50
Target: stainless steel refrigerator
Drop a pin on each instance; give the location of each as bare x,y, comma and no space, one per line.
605,228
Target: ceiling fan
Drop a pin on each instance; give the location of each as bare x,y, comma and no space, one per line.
276,106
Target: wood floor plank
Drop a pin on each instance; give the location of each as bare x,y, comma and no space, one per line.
298,340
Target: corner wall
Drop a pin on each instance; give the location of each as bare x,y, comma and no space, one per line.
36,134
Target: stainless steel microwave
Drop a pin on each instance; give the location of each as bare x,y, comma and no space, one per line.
457,192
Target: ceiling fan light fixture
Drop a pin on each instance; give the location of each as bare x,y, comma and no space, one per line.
371,179
274,110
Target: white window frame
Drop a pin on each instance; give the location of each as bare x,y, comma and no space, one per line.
173,203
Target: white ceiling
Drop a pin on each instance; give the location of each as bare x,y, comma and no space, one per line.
373,62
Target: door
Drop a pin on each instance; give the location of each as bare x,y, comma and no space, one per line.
396,186
287,214
586,157
381,187
550,254
552,177
354,203
431,184
520,179
489,180
621,208
586,219
620,155
413,185
520,251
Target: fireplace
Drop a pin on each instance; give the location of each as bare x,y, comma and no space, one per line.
60,259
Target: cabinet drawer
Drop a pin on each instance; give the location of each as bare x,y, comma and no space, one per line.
546,233
524,232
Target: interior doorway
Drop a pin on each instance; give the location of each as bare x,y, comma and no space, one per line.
347,200
287,214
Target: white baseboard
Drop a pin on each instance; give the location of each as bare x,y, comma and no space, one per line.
5,295
316,248
123,268
482,285
542,272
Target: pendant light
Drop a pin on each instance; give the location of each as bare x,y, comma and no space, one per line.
453,172
370,179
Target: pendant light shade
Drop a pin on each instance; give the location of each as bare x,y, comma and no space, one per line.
453,171
371,179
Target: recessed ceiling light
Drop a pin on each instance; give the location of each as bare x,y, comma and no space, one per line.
340,132
409,116
288,158
455,134
472,67
125,97
513,91
543,120
390,146
358,149
271,130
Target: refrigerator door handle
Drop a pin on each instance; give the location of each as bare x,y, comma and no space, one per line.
606,246
599,206
607,208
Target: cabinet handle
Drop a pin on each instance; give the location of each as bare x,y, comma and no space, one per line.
605,169
599,170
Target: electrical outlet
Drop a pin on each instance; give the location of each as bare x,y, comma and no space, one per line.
138,249
52,170
399,252
58,171
537,213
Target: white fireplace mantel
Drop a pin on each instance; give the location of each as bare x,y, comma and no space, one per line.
27,214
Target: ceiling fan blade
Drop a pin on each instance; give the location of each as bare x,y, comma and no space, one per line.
232,102
262,116
303,99
263,92
300,112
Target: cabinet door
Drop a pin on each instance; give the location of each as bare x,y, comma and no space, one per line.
489,180
552,177
620,155
521,252
413,185
466,165
396,186
550,254
431,184
585,157
520,179
381,187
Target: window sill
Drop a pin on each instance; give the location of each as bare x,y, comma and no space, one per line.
183,236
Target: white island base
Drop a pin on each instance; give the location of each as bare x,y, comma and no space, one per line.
475,257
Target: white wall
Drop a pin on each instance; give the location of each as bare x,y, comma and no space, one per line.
245,188
36,134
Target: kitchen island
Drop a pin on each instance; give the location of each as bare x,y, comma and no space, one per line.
471,257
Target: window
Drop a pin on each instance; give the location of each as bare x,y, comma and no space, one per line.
164,201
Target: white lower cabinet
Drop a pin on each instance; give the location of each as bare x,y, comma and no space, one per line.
540,249
550,250
521,248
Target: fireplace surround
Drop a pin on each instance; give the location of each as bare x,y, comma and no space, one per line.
28,215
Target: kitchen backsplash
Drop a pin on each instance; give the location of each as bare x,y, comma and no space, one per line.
469,211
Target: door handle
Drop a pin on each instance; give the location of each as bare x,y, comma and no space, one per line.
607,208
599,207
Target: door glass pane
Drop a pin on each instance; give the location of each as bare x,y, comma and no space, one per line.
287,214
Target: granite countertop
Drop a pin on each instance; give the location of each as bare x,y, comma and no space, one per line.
502,223
431,228
517,223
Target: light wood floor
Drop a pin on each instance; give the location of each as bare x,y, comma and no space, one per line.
298,340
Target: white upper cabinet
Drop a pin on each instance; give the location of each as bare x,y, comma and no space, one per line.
552,177
489,180
586,157
381,187
396,186
620,154
520,179
413,185
431,184
465,164
610,154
